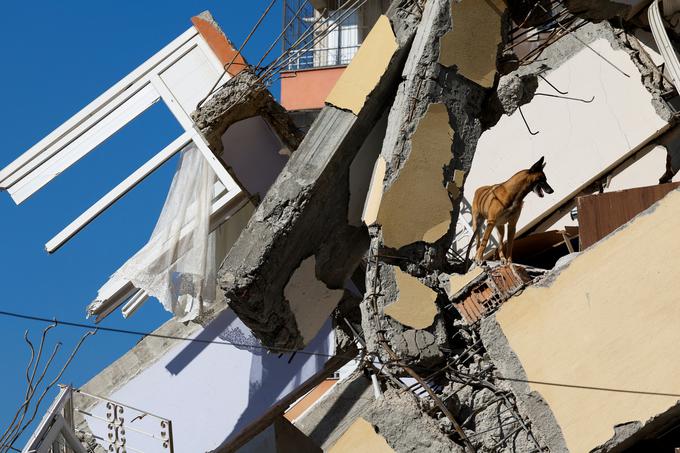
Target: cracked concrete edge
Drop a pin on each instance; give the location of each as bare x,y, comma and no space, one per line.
627,435
566,47
530,402
652,78
406,427
241,97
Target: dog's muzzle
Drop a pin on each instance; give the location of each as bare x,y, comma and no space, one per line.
543,187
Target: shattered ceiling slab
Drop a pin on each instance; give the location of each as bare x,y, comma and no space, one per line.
366,69
304,213
417,206
311,301
415,306
472,44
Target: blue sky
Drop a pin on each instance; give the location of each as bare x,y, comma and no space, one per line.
58,57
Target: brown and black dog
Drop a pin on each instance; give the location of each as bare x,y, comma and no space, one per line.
502,203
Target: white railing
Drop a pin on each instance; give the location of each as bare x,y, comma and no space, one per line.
321,57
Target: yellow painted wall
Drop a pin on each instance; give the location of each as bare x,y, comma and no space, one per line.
367,67
472,43
610,319
361,438
415,306
417,206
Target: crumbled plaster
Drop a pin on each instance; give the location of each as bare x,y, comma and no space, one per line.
406,428
472,44
416,207
415,306
427,86
243,96
310,300
375,192
453,283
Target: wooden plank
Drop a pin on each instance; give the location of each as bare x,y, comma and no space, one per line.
600,214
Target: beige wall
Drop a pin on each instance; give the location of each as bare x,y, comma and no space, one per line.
361,438
472,43
610,319
367,67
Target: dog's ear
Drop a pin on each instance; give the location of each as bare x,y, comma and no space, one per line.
538,166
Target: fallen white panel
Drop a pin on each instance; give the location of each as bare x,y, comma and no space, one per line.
190,78
69,150
663,42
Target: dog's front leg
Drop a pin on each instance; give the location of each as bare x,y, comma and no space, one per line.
485,239
501,244
512,225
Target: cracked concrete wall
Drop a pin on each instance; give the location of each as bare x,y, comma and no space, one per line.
243,96
305,211
624,316
433,129
406,428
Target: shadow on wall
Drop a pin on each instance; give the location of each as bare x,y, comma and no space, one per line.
271,375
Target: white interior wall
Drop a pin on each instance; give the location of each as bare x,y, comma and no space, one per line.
255,154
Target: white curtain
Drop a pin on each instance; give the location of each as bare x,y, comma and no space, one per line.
177,266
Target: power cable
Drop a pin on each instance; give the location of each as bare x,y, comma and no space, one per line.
156,335
309,353
238,52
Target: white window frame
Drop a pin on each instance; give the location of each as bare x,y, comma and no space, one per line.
103,117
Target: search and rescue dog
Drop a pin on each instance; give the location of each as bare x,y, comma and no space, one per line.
502,203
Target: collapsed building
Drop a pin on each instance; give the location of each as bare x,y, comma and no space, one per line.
337,225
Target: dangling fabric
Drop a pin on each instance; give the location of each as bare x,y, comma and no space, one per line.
177,266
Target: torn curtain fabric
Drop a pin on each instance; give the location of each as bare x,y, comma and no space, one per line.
177,266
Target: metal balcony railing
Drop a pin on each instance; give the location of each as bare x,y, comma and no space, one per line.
317,39
321,57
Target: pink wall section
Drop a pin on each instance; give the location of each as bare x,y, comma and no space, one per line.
307,89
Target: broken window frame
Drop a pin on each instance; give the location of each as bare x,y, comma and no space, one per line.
106,115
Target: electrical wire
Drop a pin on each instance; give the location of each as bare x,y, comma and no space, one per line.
309,353
238,52
156,335
275,68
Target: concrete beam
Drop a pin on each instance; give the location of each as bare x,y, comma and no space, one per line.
433,128
304,214
243,96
